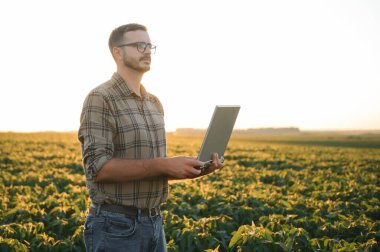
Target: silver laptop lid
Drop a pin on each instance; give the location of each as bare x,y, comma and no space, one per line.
219,131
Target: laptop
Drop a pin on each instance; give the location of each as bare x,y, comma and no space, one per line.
218,133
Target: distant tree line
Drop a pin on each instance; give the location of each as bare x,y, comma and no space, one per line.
250,131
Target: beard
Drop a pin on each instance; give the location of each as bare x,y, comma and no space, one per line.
136,65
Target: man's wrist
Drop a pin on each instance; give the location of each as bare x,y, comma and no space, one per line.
153,167
159,166
163,167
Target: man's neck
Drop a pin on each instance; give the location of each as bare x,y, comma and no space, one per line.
132,77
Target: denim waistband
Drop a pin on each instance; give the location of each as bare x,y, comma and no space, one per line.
127,210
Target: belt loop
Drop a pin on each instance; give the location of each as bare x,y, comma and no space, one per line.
150,212
139,214
98,209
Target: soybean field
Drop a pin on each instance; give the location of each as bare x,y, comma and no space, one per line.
306,192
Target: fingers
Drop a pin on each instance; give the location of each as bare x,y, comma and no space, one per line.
183,167
194,163
216,162
215,159
194,172
189,172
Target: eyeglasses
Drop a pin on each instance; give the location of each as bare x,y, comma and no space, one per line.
141,46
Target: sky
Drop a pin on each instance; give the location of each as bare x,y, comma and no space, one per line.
307,64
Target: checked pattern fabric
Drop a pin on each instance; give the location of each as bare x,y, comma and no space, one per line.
117,123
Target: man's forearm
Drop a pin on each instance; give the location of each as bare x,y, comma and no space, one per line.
119,170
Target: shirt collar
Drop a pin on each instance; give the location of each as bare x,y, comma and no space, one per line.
125,88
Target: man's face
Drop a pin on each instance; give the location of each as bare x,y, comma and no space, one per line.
131,56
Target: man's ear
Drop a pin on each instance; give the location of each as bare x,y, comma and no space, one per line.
116,53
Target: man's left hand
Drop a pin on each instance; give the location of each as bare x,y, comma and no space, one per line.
215,164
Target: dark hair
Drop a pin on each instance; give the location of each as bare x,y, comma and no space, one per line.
117,34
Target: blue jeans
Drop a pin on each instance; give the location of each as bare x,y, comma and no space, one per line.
108,231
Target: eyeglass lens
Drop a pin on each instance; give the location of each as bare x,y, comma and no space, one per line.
141,47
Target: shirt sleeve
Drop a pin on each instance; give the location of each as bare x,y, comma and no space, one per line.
97,127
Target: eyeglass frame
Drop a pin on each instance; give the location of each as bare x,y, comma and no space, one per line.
136,44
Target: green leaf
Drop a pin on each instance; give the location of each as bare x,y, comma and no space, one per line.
237,236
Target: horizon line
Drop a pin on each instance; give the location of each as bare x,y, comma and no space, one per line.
236,129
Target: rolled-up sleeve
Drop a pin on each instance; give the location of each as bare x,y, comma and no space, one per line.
97,127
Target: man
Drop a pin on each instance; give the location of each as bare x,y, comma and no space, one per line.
122,133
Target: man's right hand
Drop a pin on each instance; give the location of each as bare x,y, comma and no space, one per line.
182,167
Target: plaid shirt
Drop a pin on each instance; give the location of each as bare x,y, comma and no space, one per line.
116,123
